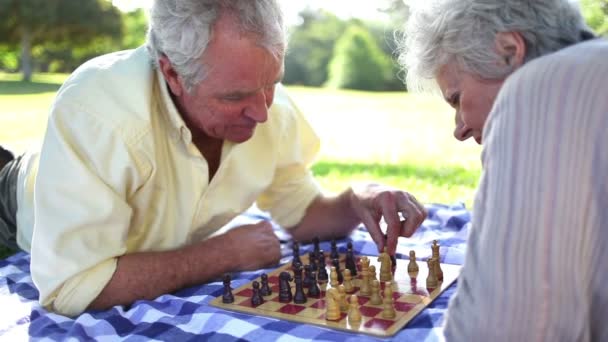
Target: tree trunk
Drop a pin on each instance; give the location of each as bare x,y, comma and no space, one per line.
26,54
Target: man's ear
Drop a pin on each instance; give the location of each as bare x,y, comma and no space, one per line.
171,76
511,46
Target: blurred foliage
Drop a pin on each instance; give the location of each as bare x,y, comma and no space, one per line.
311,46
61,35
358,62
54,31
596,15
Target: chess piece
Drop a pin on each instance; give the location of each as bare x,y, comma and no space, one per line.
375,298
334,250
438,270
372,274
364,284
336,263
297,269
285,295
332,305
348,281
412,267
307,275
313,289
350,263
322,275
296,254
342,298
435,250
333,276
256,298
385,266
354,313
299,297
227,297
431,280
265,290
312,261
392,257
317,248
388,309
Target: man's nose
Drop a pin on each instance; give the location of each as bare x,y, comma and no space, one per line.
257,110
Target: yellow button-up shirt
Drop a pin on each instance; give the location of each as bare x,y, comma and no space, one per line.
118,173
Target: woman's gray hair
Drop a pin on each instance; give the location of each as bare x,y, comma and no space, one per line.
464,31
182,29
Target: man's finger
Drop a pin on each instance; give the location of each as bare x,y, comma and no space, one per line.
374,229
390,212
413,217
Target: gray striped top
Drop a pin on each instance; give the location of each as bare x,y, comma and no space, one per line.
536,267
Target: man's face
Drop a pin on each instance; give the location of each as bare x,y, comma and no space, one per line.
238,90
471,97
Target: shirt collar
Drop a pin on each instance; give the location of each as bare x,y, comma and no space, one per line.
170,110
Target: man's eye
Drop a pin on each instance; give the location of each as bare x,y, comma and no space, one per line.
233,97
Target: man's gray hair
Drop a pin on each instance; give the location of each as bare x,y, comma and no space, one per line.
464,31
182,29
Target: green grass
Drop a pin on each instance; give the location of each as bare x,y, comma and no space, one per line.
403,140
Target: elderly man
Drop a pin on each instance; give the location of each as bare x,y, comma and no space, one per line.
150,152
523,82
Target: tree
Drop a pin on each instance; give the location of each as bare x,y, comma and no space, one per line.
358,62
311,46
596,15
29,24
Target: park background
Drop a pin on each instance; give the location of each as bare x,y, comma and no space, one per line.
340,69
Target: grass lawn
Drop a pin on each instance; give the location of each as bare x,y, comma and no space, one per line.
400,139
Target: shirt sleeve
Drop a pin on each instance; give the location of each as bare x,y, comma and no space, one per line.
532,265
293,187
82,217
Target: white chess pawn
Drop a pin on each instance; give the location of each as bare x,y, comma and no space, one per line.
348,281
331,305
354,313
375,298
342,298
388,310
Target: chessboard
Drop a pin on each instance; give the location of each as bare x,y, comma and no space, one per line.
410,296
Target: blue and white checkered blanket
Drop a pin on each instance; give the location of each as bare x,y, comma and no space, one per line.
186,315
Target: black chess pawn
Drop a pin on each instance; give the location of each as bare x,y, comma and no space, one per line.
285,295
334,250
265,290
299,297
296,253
350,263
336,263
307,276
313,289
322,275
256,298
317,248
297,270
312,260
227,297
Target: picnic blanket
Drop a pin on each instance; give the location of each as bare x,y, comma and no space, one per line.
187,316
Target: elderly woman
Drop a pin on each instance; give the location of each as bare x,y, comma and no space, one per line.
528,79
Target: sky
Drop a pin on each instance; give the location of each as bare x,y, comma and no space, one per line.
342,8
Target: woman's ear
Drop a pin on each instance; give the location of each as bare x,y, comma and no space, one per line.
511,46
171,76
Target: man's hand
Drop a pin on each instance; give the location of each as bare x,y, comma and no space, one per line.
254,246
371,202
